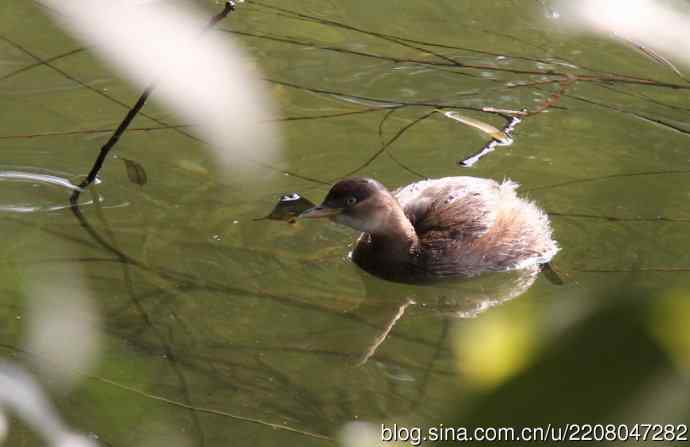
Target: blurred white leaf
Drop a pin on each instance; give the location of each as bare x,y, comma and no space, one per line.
63,333
74,440
202,77
25,398
663,26
360,434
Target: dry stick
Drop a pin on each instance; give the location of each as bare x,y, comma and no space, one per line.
515,118
556,97
491,145
115,137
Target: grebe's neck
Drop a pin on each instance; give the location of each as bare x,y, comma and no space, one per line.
394,233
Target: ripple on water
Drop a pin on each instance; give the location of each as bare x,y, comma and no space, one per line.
28,189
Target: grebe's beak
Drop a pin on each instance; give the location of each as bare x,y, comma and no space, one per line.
319,212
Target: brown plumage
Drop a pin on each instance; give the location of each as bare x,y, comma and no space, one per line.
442,228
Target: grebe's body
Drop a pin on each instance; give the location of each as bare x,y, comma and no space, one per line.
453,227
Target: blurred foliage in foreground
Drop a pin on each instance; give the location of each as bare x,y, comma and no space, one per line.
626,360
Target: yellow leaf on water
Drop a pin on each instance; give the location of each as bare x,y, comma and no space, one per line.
494,348
492,131
668,322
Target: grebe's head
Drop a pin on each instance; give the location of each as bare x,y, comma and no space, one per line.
360,203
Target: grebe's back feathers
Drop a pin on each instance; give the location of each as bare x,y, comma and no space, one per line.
469,225
460,207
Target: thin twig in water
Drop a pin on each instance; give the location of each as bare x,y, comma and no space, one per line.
38,63
608,177
619,219
87,132
212,411
416,173
98,164
655,56
382,336
636,270
387,144
391,156
180,126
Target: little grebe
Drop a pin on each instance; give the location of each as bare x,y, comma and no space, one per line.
453,227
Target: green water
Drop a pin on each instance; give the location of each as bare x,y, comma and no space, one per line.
230,331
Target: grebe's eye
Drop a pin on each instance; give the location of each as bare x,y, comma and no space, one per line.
350,201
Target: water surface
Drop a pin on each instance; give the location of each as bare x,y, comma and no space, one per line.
223,330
